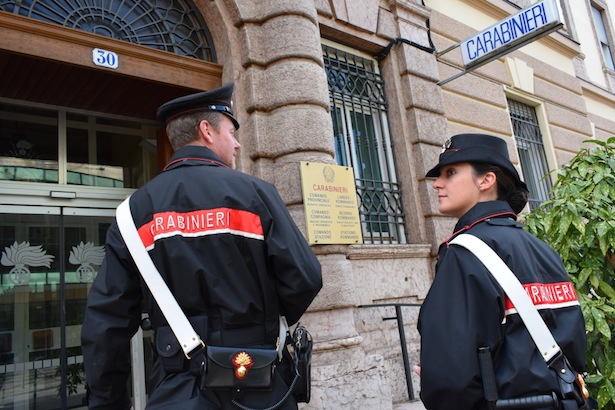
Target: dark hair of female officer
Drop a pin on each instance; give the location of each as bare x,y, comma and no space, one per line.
507,189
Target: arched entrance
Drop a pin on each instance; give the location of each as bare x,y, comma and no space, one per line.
174,26
76,137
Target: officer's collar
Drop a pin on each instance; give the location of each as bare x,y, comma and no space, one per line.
480,212
485,210
194,155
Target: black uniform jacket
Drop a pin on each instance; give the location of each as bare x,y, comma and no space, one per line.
227,247
466,309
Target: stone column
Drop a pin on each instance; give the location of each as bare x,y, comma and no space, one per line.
284,88
424,119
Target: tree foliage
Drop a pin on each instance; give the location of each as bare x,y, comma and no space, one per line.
579,223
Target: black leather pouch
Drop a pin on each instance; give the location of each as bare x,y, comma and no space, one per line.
239,368
170,352
573,392
302,349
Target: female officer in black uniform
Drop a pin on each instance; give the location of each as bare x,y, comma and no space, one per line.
226,246
466,309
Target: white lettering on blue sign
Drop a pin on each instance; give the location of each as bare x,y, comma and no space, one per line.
512,32
105,58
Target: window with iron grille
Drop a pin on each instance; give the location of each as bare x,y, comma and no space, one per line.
362,141
170,25
531,151
603,38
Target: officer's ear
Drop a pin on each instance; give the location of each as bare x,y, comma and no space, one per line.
487,181
205,132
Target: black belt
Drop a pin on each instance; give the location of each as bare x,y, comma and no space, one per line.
545,401
245,336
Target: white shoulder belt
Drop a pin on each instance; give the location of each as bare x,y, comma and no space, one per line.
188,339
534,323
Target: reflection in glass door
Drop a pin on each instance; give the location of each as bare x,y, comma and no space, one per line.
49,257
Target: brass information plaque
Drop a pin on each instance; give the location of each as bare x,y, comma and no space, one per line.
330,201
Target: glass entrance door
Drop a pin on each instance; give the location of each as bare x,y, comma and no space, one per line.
49,257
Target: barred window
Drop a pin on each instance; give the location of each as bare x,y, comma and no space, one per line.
362,141
531,151
170,25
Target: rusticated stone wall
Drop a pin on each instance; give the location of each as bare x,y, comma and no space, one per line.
272,50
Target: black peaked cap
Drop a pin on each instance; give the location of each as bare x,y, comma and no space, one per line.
218,99
476,148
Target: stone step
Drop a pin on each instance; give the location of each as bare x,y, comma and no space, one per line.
412,405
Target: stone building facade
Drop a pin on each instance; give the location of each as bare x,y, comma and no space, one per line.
280,55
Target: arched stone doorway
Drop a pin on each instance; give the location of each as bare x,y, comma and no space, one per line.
175,26
49,81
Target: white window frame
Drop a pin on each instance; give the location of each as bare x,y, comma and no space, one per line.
602,28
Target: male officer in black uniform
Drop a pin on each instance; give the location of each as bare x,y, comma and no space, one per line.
226,246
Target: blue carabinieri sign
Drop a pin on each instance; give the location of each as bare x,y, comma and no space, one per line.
513,32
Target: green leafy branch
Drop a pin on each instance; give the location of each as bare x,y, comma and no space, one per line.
579,223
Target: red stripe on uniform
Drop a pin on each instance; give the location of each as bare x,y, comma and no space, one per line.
200,223
548,295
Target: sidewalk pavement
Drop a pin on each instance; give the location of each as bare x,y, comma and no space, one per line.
413,405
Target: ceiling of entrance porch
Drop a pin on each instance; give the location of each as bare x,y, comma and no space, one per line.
27,78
